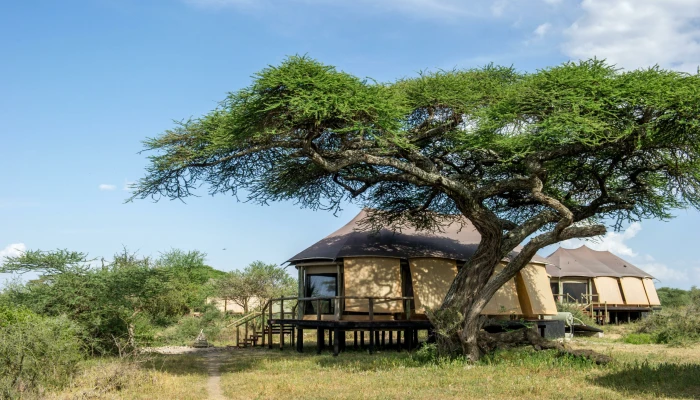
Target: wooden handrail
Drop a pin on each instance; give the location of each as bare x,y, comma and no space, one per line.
352,298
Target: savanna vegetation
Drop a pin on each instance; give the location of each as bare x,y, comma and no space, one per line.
78,309
639,372
529,158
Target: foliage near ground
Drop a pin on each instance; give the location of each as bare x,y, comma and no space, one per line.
676,326
36,352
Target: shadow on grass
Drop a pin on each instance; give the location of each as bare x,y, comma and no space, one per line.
662,380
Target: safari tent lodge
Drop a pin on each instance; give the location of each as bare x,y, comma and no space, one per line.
355,281
612,289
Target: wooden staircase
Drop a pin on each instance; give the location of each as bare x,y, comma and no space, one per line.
255,329
258,337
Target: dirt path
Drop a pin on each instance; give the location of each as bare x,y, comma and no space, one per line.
214,357
214,361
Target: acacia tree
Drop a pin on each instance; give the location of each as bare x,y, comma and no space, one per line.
530,159
257,283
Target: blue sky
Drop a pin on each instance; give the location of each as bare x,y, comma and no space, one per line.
82,83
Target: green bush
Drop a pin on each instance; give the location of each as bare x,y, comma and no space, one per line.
639,338
676,326
36,352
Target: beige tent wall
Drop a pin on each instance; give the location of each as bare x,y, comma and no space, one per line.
431,278
372,277
652,296
608,290
534,293
505,301
633,289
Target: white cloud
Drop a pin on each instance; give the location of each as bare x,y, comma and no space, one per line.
12,250
107,186
542,30
613,242
637,33
552,2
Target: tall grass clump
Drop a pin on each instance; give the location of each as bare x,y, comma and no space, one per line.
36,352
677,326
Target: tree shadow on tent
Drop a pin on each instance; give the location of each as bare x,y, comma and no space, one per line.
661,380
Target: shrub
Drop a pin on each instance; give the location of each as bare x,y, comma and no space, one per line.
36,352
639,338
675,326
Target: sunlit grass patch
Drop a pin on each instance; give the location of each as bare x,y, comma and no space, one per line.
158,377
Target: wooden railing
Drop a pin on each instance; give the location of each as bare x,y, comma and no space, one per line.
338,302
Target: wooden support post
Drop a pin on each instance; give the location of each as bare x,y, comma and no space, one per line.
607,316
255,334
330,338
355,340
343,340
320,340
362,339
409,339
336,342
246,338
398,341
376,338
391,338
371,331
336,308
281,325
269,325
383,338
293,335
238,334
262,329
415,338
300,340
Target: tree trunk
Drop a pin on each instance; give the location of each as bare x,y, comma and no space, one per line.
466,294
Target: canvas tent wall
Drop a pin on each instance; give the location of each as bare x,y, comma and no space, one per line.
611,279
414,264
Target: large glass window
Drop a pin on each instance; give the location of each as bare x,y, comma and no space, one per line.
555,287
321,285
577,290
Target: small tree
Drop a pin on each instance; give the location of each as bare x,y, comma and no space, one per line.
258,281
530,159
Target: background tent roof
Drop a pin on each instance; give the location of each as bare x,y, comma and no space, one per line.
457,241
586,262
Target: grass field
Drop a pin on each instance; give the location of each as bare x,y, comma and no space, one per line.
639,372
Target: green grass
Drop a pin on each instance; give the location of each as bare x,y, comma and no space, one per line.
639,338
520,373
640,371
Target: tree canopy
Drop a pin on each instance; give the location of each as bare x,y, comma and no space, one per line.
530,158
256,283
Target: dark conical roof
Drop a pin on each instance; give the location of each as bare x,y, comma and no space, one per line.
457,241
586,262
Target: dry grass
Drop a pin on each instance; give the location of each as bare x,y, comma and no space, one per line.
640,372
158,377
